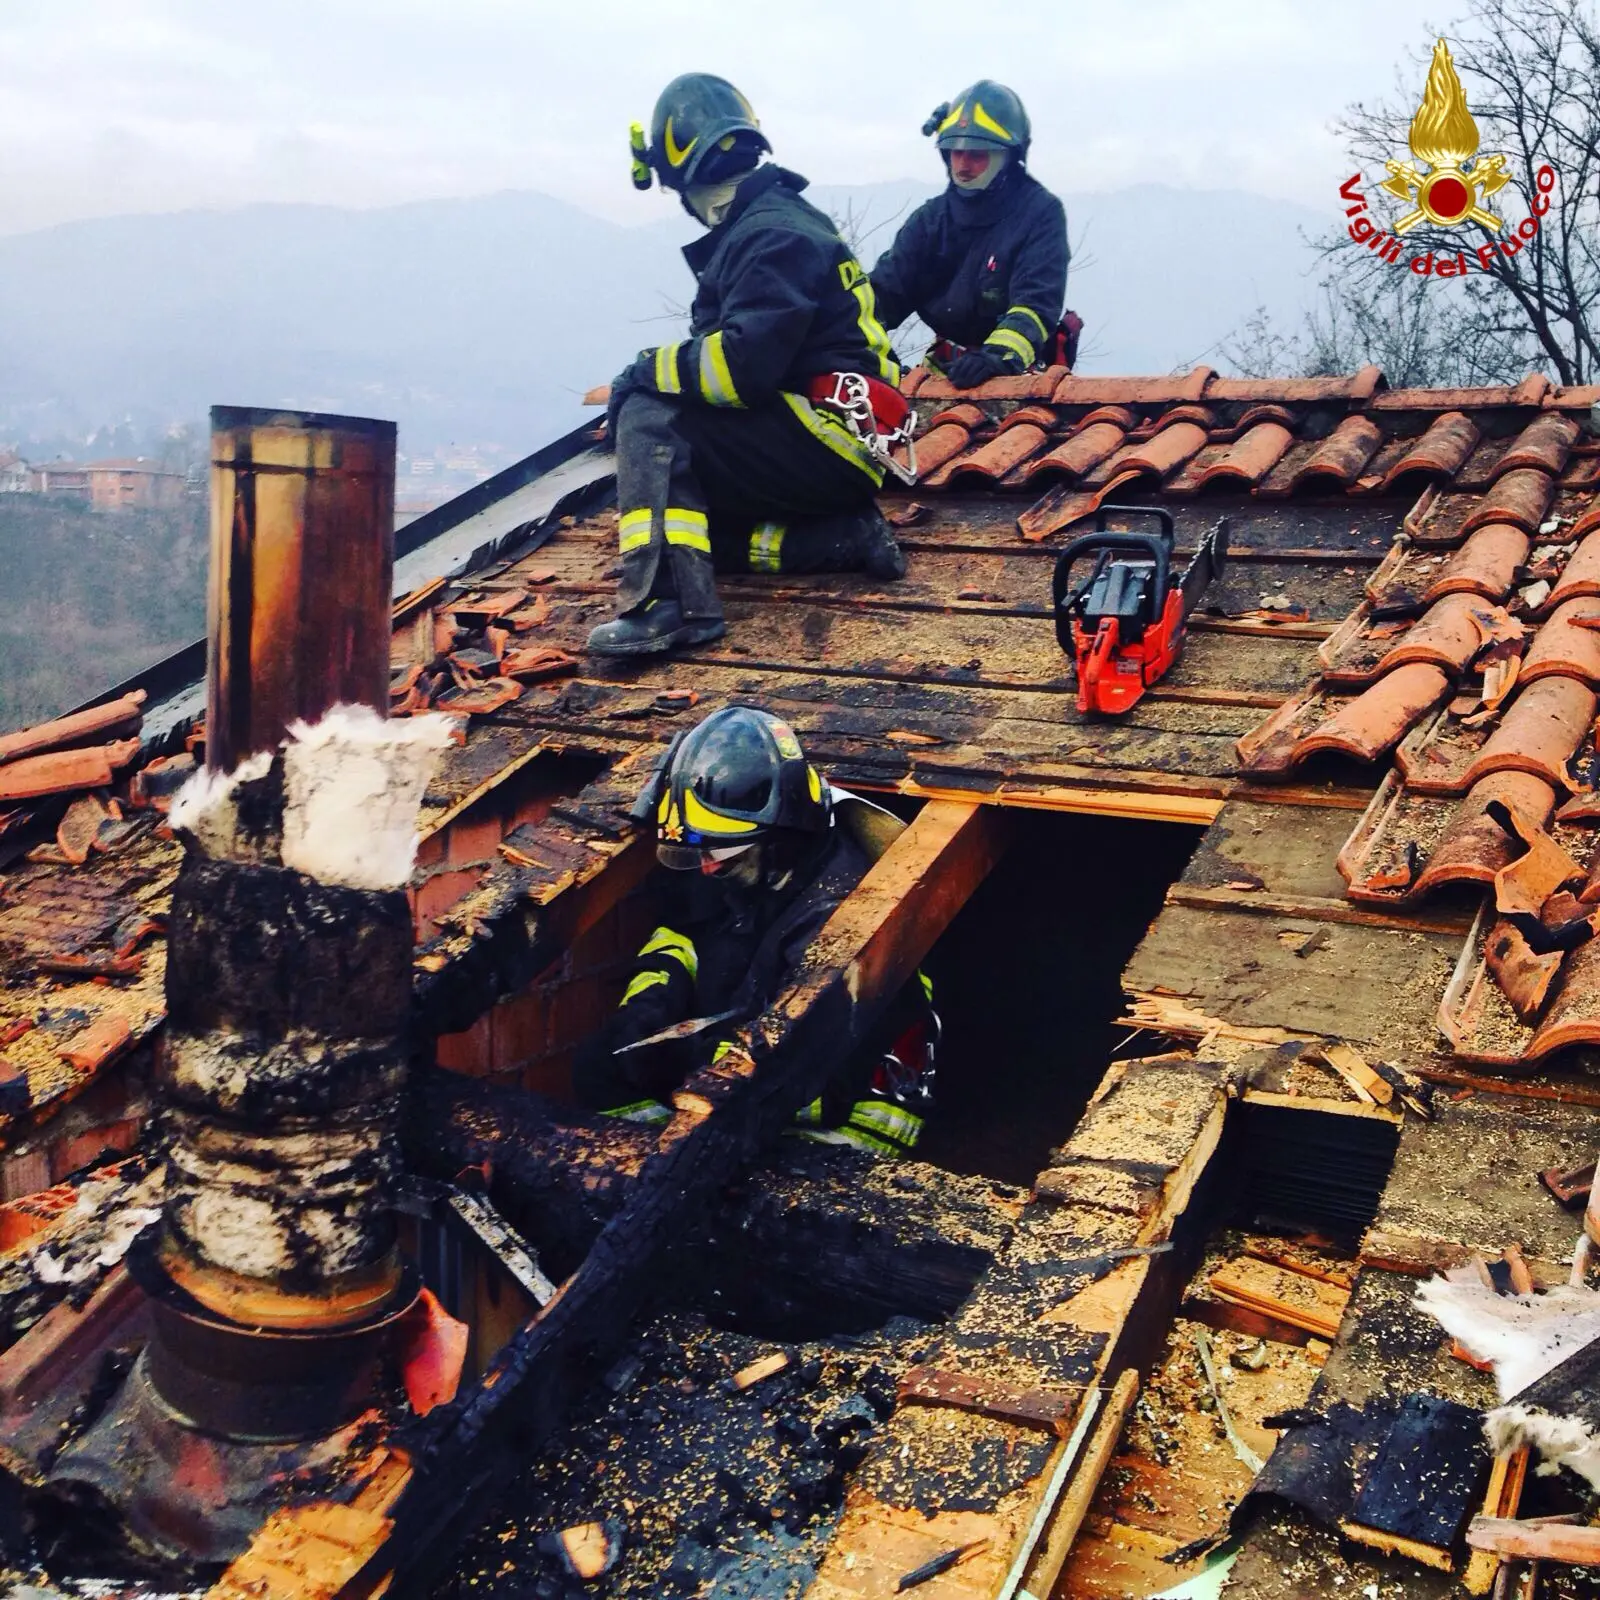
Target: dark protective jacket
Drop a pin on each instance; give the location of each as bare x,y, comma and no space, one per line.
780,299
988,268
729,949
726,948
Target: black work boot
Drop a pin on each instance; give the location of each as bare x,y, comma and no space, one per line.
881,554
655,626
845,541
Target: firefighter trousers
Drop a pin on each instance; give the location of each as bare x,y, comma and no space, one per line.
776,488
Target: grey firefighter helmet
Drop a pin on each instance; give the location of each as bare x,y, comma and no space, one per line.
702,131
987,116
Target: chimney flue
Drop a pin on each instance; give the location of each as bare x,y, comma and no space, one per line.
302,568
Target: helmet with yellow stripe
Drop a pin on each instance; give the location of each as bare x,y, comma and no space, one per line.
988,116
734,779
702,131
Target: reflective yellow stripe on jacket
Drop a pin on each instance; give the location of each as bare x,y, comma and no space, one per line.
716,381
834,435
679,946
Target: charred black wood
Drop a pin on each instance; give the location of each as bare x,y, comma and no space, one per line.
817,1237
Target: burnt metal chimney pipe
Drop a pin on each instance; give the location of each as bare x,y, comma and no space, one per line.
302,572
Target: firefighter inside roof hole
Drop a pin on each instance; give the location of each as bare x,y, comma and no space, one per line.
757,443
984,264
763,850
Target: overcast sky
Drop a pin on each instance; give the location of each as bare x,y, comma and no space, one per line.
115,106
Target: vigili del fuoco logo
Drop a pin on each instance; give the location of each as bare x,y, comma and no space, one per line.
1448,184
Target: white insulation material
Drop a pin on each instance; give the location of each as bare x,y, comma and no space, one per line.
1524,1337
353,786
206,809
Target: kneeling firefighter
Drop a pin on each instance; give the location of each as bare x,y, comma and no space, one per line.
985,263
772,850
757,443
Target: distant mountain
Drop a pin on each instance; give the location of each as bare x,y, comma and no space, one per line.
485,319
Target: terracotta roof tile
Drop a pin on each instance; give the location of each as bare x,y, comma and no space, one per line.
1076,391
1439,453
1546,442
1249,459
1039,416
1564,647
1574,1016
1485,565
1338,461
993,460
1411,578
1545,724
1372,478
1458,399
1474,847
1376,719
112,717
1025,386
105,1037
966,414
1359,386
1582,470
1449,634
939,445
1158,455
1581,575
1532,391
62,771
1521,496
1062,507
1081,453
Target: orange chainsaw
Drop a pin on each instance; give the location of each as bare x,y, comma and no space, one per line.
1125,623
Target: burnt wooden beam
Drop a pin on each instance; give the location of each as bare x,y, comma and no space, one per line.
816,1233
725,1116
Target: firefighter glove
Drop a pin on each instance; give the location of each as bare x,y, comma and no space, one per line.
973,367
636,378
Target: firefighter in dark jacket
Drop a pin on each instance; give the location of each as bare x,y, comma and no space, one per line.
772,850
985,263
757,443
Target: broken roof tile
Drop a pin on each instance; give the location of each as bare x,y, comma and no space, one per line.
1474,847
62,771
1075,456
1063,506
1439,453
111,717
1574,1016
1563,646
1546,443
1521,496
104,1038
1338,461
1545,724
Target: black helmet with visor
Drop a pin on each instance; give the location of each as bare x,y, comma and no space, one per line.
734,780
